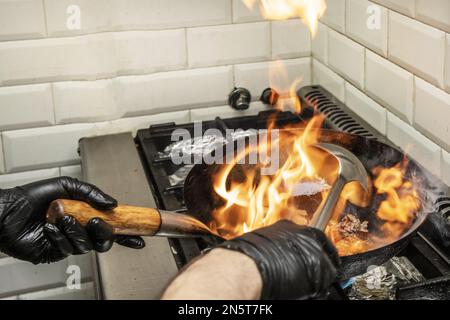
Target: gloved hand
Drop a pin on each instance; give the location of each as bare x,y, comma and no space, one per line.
25,234
295,262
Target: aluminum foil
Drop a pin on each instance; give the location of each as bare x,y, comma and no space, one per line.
202,145
180,175
197,146
380,282
376,284
194,146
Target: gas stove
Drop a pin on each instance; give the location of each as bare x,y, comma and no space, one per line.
420,271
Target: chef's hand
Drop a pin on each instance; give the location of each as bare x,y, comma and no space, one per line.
282,261
25,234
295,262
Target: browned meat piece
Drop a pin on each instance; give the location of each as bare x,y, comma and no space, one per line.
350,225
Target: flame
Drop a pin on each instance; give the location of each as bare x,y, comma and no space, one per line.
253,200
309,11
402,201
286,89
247,200
299,187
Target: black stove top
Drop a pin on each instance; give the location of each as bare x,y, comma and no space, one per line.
422,269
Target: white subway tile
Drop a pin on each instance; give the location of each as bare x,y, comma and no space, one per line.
238,43
74,58
241,13
290,39
279,75
445,172
328,79
434,12
420,148
447,64
18,179
43,147
91,57
417,47
107,15
84,101
23,19
170,91
432,112
210,113
390,85
346,57
2,161
62,15
357,27
26,106
72,171
334,16
167,14
403,6
320,44
135,123
366,108
141,52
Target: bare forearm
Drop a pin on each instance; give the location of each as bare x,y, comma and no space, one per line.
220,274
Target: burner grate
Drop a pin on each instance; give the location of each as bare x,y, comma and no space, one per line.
422,251
339,116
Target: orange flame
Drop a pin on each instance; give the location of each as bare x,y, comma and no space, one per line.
287,89
402,201
248,200
253,200
309,11
299,187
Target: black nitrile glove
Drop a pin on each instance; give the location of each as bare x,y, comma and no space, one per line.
25,234
295,262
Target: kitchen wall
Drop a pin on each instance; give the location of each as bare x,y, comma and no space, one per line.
395,74
130,64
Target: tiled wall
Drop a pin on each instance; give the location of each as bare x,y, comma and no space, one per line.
396,76
137,62
131,63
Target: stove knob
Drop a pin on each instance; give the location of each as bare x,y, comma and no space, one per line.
239,99
269,96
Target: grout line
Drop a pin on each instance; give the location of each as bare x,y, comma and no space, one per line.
52,87
270,40
412,120
232,11
186,47
116,76
3,168
365,69
45,17
447,63
388,26
345,16
86,34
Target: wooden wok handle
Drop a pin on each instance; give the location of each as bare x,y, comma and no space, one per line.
125,220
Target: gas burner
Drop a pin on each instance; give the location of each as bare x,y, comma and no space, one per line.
421,270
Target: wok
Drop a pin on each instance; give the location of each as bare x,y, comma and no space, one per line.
201,200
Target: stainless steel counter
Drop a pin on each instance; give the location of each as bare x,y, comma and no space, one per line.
112,163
